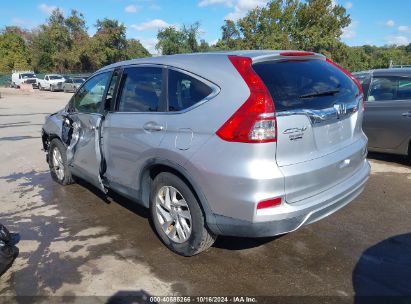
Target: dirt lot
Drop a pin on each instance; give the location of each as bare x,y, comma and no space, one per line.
74,242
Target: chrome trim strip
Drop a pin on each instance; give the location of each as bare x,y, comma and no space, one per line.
338,111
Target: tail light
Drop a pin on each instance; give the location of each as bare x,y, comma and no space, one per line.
352,78
254,121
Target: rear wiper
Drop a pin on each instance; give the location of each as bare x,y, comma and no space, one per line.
317,94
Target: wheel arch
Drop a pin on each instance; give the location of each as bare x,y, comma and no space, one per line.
157,166
47,138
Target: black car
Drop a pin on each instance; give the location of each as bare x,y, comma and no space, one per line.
387,116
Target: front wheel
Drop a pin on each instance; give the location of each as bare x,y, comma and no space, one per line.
177,216
60,172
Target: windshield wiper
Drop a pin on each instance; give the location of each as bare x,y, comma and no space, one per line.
318,94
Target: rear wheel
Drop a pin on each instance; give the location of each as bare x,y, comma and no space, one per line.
60,172
177,216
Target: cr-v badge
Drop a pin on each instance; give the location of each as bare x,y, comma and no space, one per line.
295,133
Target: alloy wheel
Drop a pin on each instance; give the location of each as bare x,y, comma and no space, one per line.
58,166
173,214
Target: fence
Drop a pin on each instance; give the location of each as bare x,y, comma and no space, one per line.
3,79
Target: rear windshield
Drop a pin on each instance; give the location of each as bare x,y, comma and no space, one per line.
305,84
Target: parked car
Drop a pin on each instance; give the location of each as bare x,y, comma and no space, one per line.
52,82
23,77
247,143
387,119
71,84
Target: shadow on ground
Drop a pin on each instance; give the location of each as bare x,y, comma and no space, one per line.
60,241
384,270
392,158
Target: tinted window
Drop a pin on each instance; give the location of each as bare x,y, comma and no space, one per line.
141,89
88,99
288,82
404,88
390,88
185,91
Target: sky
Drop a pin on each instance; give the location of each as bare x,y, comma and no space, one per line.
375,22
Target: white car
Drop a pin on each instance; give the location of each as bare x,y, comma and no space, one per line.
23,77
52,82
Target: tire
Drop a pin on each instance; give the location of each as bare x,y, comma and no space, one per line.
64,90
40,88
192,237
51,88
59,170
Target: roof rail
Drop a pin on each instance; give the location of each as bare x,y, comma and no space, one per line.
400,66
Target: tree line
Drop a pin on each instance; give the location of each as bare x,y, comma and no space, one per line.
62,43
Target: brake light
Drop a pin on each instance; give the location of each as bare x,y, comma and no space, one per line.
297,54
272,202
254,121
352,78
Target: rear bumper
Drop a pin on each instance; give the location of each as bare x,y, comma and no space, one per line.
305,212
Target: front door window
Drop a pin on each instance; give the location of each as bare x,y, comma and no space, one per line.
89,98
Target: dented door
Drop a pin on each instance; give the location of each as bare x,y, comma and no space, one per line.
82,129
83,152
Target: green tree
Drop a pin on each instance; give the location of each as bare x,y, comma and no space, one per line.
14,54
319,25
110,41
171,41
135,49
184,40
230,37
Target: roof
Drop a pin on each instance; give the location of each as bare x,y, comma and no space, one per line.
194,58
387,72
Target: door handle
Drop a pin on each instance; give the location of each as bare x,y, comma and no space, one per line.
153,127
406,114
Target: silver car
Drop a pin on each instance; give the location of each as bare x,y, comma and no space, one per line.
72,84
387,120
247,143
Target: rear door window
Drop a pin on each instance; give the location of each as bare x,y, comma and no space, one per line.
185,91
293,84
390,88
141,89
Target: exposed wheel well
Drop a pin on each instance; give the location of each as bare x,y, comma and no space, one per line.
47,138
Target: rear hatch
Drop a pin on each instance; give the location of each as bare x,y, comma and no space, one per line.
319,114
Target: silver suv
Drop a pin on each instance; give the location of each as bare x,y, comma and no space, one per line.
248,143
